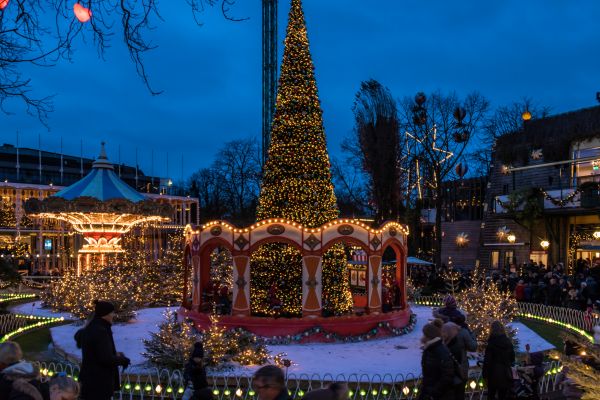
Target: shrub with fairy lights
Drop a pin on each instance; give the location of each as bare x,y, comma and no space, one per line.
170,347
136,282
484,302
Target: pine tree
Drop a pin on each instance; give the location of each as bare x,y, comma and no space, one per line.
297,185
585,374
171,345
215,342
7,215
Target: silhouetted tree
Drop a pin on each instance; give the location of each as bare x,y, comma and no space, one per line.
439,128
43,32
379,143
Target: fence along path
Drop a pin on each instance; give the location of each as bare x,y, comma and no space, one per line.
162,384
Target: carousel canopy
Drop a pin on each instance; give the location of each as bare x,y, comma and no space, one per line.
101,183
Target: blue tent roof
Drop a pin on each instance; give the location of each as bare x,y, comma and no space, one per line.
101,183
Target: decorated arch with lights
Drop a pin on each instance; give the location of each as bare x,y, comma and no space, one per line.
312,244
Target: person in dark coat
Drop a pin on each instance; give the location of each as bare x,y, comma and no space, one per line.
99,374
194,371
459,341
449,312
437,366
497,362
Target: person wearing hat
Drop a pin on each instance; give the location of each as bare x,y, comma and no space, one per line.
437,367
449,312
99,374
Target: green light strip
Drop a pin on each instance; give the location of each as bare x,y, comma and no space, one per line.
528,315
41,322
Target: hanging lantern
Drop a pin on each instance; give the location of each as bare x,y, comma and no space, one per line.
461,169
459,114
420,98
82,13
596,235
545,244
511,238
3,4
526,116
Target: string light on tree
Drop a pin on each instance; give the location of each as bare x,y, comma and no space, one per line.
483,302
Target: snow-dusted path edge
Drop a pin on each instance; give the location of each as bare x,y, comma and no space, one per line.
399,355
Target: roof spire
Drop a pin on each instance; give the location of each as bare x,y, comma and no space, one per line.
102,155
102,161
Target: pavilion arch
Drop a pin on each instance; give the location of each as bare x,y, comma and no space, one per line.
312,243
399,275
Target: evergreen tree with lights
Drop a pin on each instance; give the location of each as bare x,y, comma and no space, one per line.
297,186
170,347
7,214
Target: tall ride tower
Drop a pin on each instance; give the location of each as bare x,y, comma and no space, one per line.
269,72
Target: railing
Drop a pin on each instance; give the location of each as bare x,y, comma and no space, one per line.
574,320
165,384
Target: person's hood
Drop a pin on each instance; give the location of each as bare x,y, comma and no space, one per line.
21,370
431,342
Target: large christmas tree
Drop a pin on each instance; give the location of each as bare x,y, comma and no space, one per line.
297,186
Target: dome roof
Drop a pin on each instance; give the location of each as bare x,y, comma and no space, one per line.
101,183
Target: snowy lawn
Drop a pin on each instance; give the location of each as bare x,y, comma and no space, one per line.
393,356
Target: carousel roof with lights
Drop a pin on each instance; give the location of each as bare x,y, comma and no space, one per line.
101,207
101,183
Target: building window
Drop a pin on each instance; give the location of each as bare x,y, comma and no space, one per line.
494,259
509,258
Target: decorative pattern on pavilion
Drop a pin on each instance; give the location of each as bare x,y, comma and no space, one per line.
312,243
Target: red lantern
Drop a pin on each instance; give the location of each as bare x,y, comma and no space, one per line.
461,170
82,13
3,4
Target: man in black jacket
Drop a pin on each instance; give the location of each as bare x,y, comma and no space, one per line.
99,374
438,368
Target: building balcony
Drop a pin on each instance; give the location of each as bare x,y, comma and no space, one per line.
567,199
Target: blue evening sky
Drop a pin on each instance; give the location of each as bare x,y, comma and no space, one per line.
211,75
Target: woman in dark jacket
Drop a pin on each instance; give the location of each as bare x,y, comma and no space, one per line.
436,363
497,362
99,374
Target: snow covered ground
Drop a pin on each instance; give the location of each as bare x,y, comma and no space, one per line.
393,356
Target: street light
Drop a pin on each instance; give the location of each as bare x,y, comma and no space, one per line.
511,238
545,244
